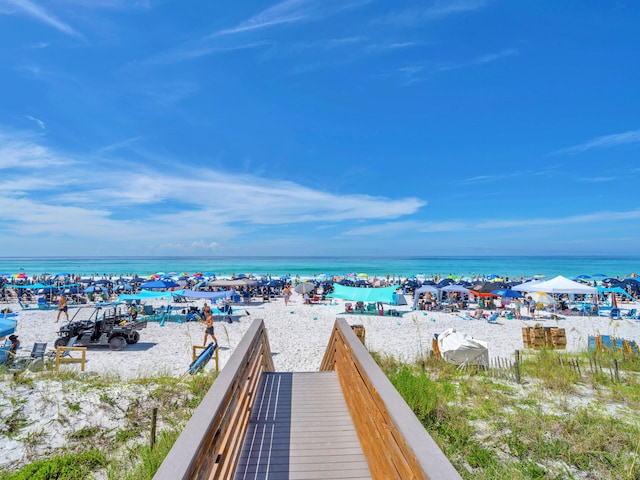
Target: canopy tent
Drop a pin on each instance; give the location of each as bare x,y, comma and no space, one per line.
209,295
356,294
617,290
559,284
420,291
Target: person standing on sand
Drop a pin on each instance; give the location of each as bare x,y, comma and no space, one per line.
206,309
286,294
518,308
532,307
62,307
208,321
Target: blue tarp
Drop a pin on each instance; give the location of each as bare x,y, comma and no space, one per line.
356,294
147,295
618,290
210,295
7,327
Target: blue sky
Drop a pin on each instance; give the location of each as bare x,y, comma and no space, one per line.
309,127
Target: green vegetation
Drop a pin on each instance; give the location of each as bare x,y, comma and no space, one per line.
123,453
65,467
571,417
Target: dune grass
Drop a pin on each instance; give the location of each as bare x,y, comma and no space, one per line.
558,424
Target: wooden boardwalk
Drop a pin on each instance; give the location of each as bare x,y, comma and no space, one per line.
300,428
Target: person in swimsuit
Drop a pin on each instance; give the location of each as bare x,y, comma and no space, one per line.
62,307
208,321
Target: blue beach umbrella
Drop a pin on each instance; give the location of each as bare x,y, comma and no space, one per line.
507,293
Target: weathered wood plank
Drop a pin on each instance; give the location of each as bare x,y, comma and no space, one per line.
307,433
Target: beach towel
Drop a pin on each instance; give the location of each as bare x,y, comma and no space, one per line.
465,317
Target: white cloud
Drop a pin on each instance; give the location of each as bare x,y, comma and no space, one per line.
632,136
108,200
436,10
291,11
36,12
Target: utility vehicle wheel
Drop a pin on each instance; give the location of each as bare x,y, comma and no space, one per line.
117,343
61,342
134,338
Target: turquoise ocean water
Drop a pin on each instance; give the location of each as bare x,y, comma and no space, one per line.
308,267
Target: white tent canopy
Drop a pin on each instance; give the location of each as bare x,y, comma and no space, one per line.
559,284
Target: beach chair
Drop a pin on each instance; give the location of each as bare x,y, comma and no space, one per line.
359,307
493,318
630,314
34,362
592,344
614,314
348,308
372,308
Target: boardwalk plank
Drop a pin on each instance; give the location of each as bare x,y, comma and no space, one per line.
300,428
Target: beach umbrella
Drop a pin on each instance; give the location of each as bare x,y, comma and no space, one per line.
202,359
598,275
507,293
62,274
363,275
94,289
542,298
159,284
305,287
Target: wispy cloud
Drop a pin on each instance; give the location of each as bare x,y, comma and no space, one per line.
36,12
291,11
40,189
395,228
480,60
436,10
606,141
416,72
39,122
202,49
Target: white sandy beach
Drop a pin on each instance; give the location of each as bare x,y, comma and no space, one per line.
298,336
299,333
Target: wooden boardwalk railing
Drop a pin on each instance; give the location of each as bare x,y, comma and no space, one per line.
393,440
394,443
210,443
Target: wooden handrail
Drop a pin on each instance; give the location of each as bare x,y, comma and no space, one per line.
209,445
393,440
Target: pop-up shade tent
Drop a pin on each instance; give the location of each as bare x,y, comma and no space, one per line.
356,294
559,284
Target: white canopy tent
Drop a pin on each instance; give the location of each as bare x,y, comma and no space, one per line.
559,284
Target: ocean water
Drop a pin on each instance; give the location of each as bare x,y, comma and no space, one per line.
308,267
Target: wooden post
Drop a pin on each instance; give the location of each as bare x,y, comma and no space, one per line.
615,368
154,421
517,366
359,331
